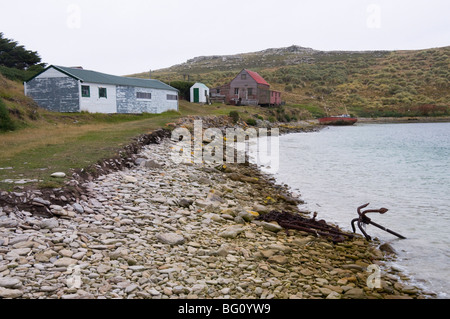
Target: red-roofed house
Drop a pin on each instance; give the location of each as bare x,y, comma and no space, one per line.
248,88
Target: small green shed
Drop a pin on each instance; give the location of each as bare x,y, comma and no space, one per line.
199,93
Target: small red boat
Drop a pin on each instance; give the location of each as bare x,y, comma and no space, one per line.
338,120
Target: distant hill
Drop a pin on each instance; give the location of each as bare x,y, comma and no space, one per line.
367,83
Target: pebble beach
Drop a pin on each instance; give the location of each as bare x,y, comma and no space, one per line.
162,230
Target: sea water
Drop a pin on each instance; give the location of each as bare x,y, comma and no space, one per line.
402,167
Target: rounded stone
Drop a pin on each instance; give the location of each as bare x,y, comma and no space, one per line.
170,238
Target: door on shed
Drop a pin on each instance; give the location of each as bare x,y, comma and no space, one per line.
196,95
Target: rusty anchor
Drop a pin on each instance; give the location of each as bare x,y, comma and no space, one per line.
289,220
364,220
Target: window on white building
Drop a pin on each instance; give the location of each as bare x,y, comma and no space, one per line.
143,95
85,91
102,93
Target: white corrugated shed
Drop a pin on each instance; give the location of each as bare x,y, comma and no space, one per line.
63,89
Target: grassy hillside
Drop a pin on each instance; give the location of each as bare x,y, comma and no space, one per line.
15,108
372,83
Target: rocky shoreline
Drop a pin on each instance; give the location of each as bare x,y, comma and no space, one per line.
142,226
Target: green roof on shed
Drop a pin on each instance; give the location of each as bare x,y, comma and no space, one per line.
102,78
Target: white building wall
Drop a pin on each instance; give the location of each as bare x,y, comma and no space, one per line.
127,101
163,104
54,91
96,104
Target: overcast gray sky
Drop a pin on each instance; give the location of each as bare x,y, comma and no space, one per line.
129,36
